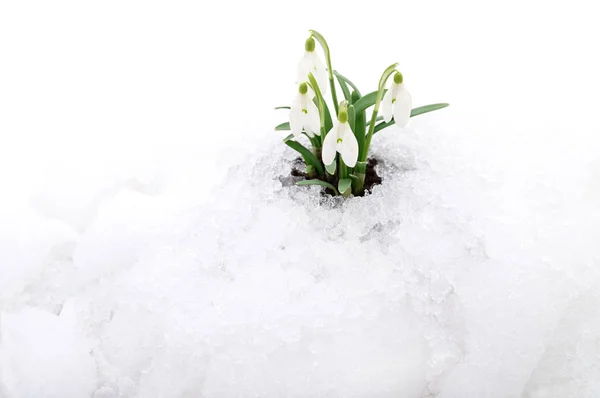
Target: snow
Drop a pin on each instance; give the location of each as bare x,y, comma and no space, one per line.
41,352
151,244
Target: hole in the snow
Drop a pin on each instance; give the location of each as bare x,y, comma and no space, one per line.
371,176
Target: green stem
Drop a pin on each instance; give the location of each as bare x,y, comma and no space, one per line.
343,169
363,156
321,107
314,141
325,47
333,92
386,74
317,151
359,170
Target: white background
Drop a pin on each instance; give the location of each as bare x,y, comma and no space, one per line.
89,89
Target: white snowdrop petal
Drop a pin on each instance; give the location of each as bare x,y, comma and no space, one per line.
402,108
386,106
349,148
304,67
296,119
320,73
313,119
318,70
296,122
329,148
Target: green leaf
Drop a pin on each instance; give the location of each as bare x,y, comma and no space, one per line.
427,108
318,182
283,107
344,185
328,121
353,177
314,141
324,115
331,168
347,81
345,88
359,124
318,96
351,118
383,125
360,168
415,112
283,127
307,155
367,101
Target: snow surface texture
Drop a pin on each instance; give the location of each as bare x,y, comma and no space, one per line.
455,278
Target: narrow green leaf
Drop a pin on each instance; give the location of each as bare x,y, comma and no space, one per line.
427,108
345,88
367,101
318,96
328,121
353,177
318,182
383,125
344,185
324,115
283,127
351,118
331,168
314,141
283,107
415,112
360,168
347,81
307,155
359,124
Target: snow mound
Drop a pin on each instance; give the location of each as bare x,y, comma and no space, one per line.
472,271
42,355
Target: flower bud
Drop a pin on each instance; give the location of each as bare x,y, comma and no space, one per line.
310,44
303,88
398,78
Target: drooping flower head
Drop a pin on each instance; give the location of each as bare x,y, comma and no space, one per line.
341,139
304,114
312,63
397,102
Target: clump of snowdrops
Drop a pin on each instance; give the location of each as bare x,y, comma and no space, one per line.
339,147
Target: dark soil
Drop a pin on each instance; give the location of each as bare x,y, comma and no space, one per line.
371,177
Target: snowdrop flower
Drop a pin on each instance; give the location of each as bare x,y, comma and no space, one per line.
341,139
304,114
312,63
397,102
